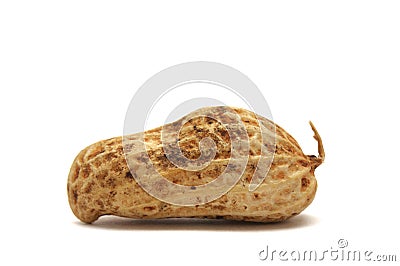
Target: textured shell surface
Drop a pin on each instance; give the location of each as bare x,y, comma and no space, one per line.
103,179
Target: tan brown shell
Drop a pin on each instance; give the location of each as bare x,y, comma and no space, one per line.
101,183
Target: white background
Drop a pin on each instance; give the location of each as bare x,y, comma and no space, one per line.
68,70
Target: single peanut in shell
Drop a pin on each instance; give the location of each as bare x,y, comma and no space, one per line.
101,183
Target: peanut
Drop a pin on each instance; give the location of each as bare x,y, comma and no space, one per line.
100,181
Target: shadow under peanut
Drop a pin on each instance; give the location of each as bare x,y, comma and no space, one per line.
119,223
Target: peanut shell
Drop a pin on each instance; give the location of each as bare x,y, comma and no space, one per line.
101,183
